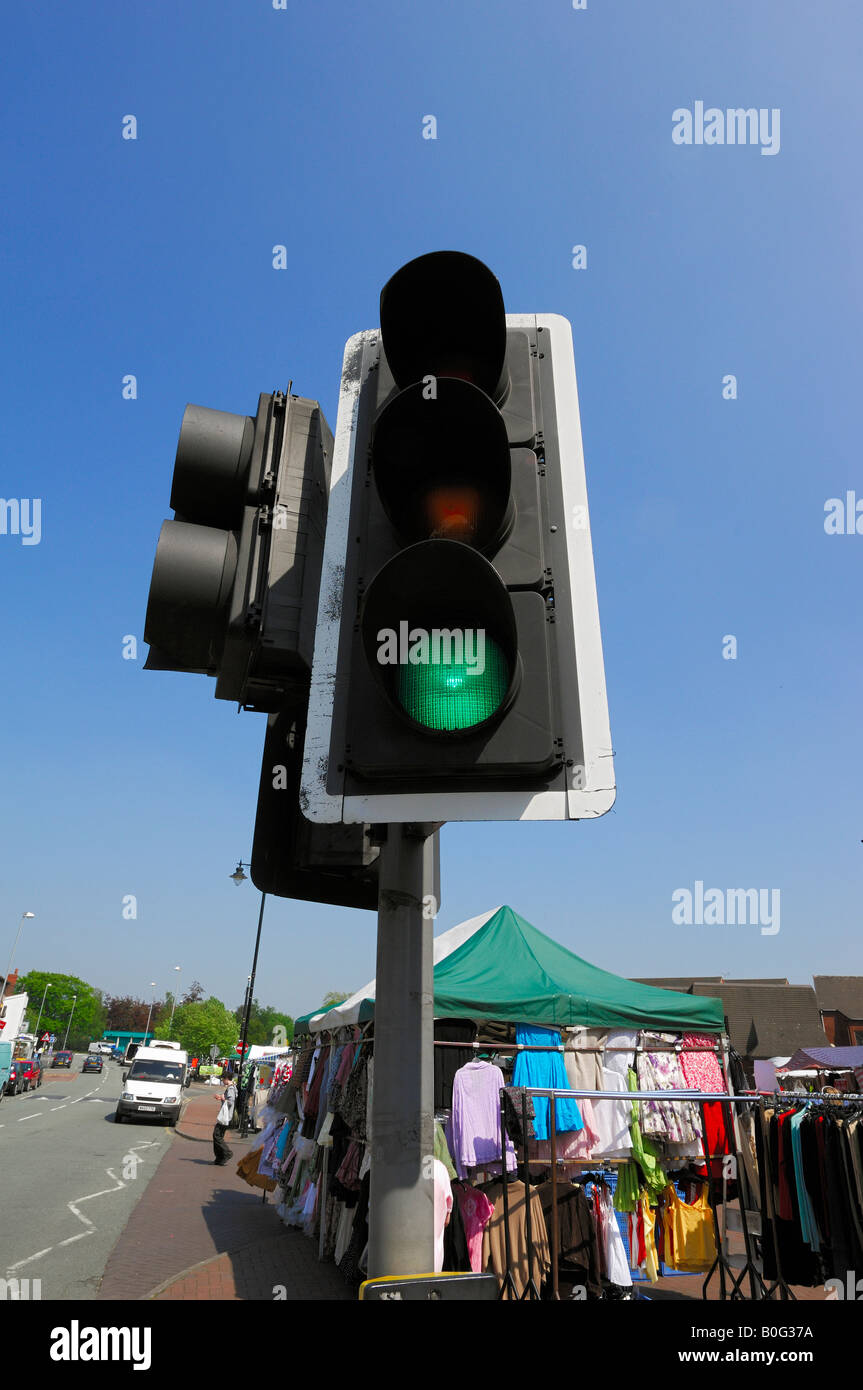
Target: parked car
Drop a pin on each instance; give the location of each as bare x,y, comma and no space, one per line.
62,1059
92,1063
31,1071
15,1084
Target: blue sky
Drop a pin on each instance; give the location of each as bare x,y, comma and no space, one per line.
153,257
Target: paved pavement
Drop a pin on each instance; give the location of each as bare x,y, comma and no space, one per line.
199,1232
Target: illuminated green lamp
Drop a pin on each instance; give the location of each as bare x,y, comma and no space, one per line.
449,695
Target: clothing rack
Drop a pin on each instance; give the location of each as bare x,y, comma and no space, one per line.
501,1047
701,1098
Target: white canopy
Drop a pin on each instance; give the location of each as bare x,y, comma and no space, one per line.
348,1011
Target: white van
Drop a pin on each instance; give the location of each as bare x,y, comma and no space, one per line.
153,1085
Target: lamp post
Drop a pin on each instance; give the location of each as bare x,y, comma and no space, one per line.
69,1024
150,1012
41,1007
24,917
239,877
178,968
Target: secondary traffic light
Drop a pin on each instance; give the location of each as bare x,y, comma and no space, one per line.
234,595
449,682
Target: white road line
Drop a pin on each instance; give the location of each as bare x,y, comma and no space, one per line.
60,1107
22,1118
73,1207
29,1260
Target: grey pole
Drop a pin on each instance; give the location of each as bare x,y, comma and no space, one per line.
401,1200
69,1024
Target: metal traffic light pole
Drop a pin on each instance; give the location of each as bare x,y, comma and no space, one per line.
401,1199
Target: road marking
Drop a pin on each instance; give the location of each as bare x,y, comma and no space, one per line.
22,1118
60,1107
29,1260
73,1207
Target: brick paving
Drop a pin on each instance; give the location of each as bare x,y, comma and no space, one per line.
199,1232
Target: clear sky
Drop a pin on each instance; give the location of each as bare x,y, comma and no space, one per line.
303,126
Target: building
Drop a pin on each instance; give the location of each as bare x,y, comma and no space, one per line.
840,999
766,1018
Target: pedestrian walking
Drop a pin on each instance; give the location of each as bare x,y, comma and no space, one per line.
220,1148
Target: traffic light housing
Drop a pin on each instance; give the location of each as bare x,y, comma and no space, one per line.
458,665
236,574
234,595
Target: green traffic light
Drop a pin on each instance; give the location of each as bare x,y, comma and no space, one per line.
454,695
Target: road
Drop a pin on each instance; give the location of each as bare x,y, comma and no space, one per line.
70,1178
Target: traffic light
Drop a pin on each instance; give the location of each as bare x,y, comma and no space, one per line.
236,574
234,595
458,664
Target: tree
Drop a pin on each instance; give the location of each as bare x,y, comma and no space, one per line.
127,1014
267,1026
194,994
199,1025
335,996
63,992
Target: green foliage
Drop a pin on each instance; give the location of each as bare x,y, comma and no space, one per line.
267,1026
335,996
90,1014
198,1025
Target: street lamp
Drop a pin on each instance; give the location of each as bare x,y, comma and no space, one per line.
178,968
239,877
24,917
69,1024
41,1007
150,1013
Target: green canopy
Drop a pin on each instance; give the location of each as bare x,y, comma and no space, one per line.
509,971
497,966
301,1025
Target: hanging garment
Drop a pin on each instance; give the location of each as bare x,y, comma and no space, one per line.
518,1112
442,1209
576,1145
644,1151
441,1151
247,1169
476,1211
577,1241
583,1057
808,1224
545,1069
612,1119
676,1122
647,1222
689,1243
474,1128
523,1258
615,1263
783,1249
352,1105
620,1050
343,1232
702,1072
456,1257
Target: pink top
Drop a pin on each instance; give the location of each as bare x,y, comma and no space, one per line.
442,1209
476,1212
